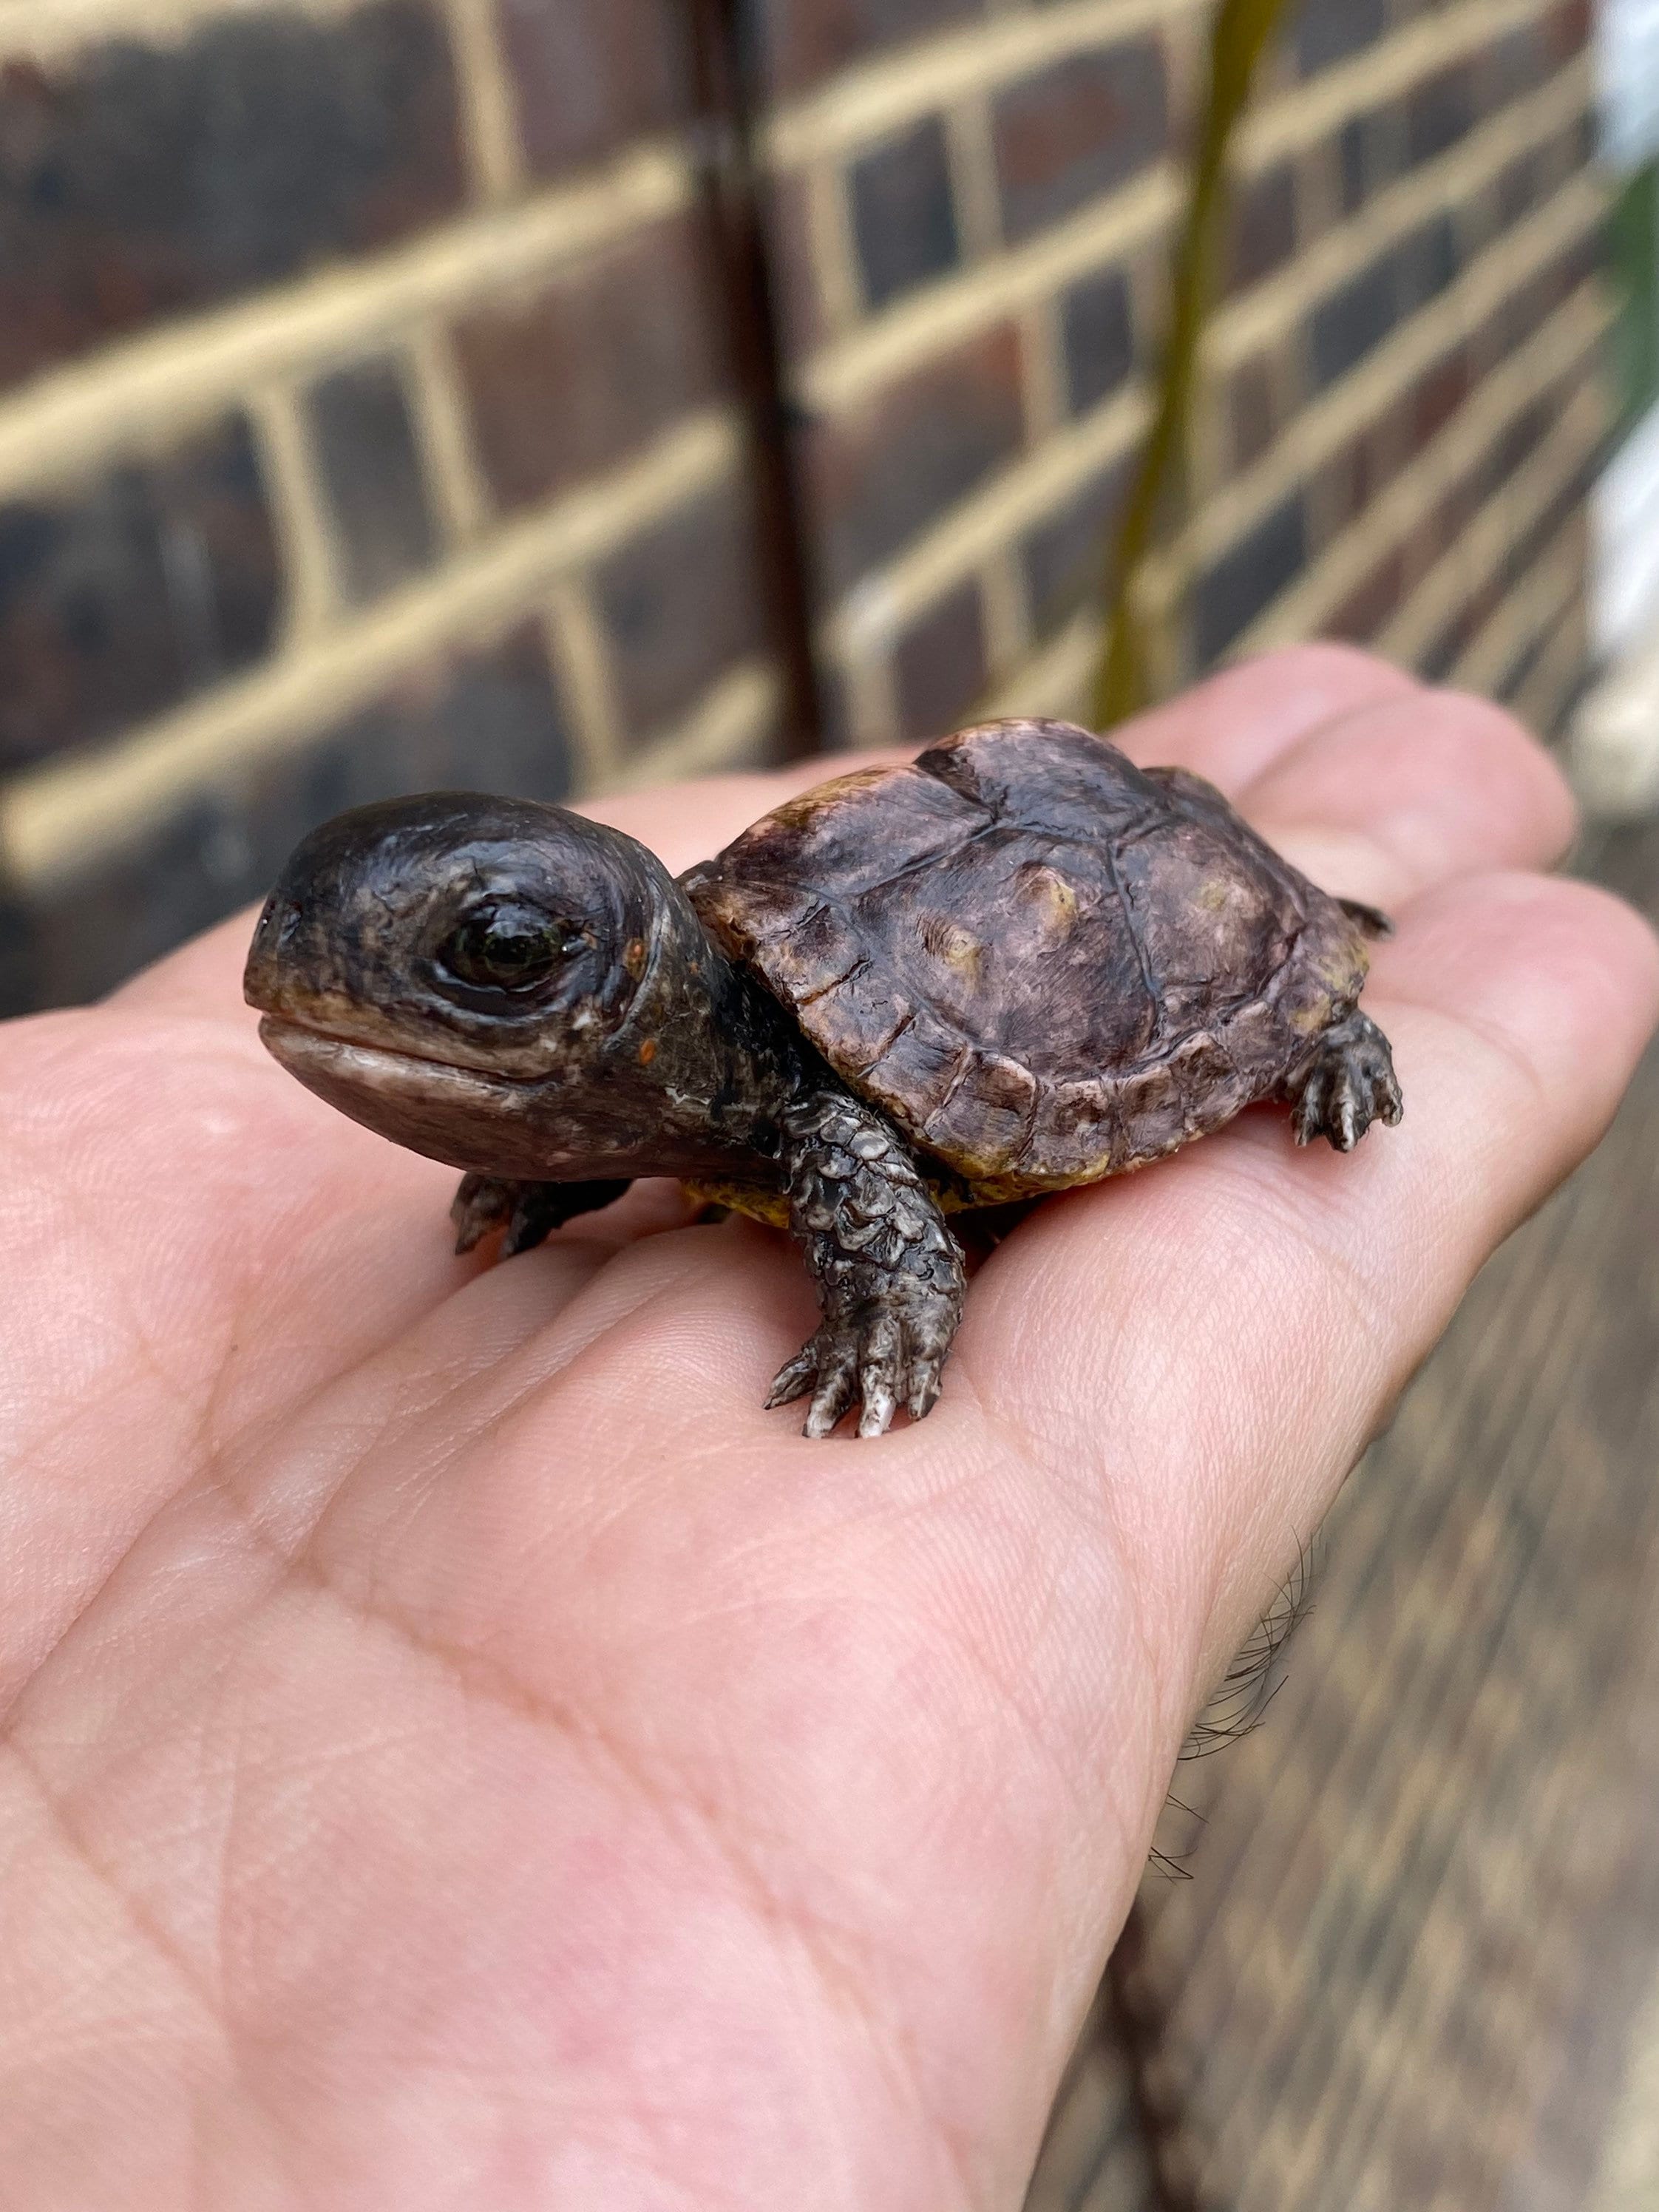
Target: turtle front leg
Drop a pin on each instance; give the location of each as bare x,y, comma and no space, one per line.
529,1211
888,1272
1346,1084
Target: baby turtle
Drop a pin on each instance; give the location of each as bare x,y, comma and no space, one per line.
1019,963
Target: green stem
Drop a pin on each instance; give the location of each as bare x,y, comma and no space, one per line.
1241,31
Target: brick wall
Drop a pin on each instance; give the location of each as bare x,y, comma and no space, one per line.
372,407
1400,407
366,420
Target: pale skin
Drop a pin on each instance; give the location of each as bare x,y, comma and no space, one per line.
460,1751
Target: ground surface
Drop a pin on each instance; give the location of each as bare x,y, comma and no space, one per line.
1417,1961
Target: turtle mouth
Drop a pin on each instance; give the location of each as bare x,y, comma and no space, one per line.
317,1055
465,1116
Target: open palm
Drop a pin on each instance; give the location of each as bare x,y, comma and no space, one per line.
460,1751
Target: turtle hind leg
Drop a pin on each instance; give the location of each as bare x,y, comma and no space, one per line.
1346,1084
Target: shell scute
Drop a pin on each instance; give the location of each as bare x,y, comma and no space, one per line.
1214,925
1048,777
918,1067
1018,951
987,1119
830,835
855,1018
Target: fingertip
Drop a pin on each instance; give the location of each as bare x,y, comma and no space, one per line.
1494,748
1562,976
1440,784
1333,668
1232,726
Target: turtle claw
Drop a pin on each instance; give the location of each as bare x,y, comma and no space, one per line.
1349,1084
834,1396
845,1365
1370,918
879,1408
793,1380
827,1366
924,1389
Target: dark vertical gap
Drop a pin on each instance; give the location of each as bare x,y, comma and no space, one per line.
728,108
1133,2015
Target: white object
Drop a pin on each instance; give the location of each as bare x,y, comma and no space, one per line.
1626,48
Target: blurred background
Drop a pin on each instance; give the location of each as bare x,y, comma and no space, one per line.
549,395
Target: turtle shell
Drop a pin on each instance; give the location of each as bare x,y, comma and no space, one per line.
1045,964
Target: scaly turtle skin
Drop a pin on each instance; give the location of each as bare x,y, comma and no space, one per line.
1016,964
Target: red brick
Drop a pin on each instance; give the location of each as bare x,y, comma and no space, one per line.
681,604
1567,30
1453,638
1077,129
1353,321
488,717
1514,65
1455,510
1252,410
142,181
1546,533
803,41
1521,437
590,75
1097,337
1518,189
1262,227
1371,603
1347,484
905,217
881,474
120,598
1328,30
569,380
1440,112
1065,556
1436,395
940,665
1241,583
368,459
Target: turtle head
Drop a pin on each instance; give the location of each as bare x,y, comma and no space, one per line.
483,980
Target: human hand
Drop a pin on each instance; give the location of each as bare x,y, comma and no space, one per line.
460,1751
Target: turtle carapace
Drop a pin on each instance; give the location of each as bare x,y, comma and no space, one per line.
1015,964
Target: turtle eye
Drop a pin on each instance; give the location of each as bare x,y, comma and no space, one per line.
505,946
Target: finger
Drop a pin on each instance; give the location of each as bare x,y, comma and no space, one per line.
1409,790
1517,1007
1234,728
